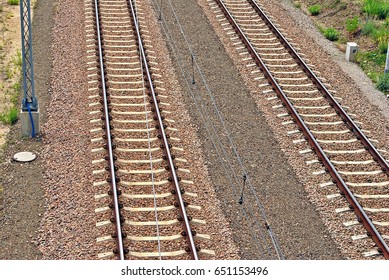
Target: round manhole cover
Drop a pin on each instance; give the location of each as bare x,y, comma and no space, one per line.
24,157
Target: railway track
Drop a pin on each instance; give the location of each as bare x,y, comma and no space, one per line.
145,198
356,167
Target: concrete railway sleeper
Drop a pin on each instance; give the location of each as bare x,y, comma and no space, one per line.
343,148
140,167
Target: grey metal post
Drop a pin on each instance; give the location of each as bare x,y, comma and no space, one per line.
29,99
387,61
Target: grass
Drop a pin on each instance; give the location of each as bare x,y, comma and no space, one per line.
381,37
331,33
13,2
368,24
352,25
16,87
376,8
297,5
368,28
383,47
10,116
9,73
314,10
372,62
17,59
9,15
383,83
334,4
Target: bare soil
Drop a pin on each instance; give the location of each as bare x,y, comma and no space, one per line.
22,203
9,46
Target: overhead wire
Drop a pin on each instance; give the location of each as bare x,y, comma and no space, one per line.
222,159
149,141
217,144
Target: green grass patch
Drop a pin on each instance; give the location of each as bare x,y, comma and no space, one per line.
383,47
376,8
9,15
374,57
9,73
369,28
314,10
379,32
16,87
372,63
17,59
331,33
10,116
352,25
13,2
335,3
383,83
381,37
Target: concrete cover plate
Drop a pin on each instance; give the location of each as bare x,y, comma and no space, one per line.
24,157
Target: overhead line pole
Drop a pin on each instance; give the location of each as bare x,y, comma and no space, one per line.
30,112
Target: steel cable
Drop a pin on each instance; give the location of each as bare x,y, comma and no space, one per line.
149,144
201,108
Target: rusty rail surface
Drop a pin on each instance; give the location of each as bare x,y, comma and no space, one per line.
345,191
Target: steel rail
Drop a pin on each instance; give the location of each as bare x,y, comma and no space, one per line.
114,189
166,146
345,117
345,191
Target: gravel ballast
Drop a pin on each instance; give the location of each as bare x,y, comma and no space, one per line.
69,227
67,230
373,119
293,218
300,215
176,118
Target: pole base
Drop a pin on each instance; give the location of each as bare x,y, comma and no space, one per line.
26,127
